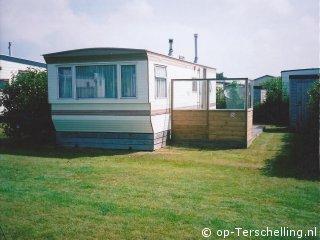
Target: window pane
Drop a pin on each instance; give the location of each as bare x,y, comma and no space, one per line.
96,81
128,81
194,86
65,82
160,81
161,72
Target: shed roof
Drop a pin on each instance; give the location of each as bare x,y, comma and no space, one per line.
263,77
303,69
22,61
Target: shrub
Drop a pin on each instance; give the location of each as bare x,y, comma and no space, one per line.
312,132
275,110
27,111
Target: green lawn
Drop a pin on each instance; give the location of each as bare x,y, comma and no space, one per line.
173,193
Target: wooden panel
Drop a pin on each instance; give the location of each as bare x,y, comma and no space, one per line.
219,124
227,125
196,121
216,137
189,124
214,125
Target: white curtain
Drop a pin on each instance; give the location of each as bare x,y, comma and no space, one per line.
160,81
96,81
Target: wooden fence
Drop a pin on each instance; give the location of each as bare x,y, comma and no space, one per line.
227,126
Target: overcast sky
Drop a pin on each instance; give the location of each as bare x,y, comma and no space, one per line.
242,38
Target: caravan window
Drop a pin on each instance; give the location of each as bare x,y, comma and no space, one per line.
65,82
128,81
194,86
160,82
98,81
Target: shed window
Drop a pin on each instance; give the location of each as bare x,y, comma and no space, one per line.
128,81
160,82
65,82
96,81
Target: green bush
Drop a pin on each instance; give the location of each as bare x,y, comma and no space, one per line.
312,132
27,111
275,110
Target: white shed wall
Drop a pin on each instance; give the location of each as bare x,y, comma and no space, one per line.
9,68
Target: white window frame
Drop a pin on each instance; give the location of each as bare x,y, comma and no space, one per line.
120,81
74,81
155,83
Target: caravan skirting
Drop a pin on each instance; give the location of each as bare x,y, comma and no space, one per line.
113,140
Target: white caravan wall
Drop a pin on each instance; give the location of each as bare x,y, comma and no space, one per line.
184,97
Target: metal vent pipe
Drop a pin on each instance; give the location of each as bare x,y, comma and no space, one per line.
195,48
170,47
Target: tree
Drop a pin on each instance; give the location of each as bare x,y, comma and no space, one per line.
220,76
27,111
274,90
221,99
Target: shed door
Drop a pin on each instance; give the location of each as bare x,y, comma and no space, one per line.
300,104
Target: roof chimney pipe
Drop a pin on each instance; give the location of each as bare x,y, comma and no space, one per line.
195,48
170,47
9,47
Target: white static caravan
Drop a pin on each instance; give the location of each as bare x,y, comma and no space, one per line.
114,97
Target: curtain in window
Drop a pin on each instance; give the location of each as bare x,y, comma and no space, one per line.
65,82
96,81
160,82
128,81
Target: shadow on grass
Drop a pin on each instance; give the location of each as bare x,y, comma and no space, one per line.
276,129
297,158
7,146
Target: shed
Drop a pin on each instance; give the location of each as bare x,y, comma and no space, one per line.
298,82
260,80
260,95
259,91
115,97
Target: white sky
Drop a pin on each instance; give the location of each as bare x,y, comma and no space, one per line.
242,38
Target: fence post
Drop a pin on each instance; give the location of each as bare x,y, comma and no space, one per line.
246,111
171,109
208,107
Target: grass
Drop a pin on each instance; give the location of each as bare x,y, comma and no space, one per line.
55,193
